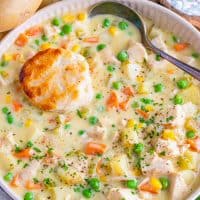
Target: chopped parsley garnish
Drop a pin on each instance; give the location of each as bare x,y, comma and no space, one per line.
146,100
37,149
170,118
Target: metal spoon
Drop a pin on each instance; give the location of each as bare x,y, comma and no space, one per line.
125,12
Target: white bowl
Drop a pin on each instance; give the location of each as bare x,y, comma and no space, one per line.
161,17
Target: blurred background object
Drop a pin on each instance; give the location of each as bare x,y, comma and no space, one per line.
189,9
14,12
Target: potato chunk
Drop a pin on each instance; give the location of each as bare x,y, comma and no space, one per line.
71,176
191,94
119,165
129,137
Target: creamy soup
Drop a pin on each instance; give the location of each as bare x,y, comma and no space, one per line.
127,129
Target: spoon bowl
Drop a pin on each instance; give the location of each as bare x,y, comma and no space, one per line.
120,10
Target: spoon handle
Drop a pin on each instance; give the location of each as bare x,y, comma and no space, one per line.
185,67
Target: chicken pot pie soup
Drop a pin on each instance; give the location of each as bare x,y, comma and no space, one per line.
87,112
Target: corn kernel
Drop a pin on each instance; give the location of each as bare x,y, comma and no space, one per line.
45,46
68,54
4,74
155,183
7,57
142,89
55,38
140,79
69,18
82,16
130,123
103,178
189,124
187,162
113,30
137,172
28,123
8,98
140,125
149,108
79,32
168,134
76,48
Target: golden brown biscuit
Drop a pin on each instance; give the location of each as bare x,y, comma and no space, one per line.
56,79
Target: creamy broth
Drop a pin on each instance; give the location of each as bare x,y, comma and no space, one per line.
137,139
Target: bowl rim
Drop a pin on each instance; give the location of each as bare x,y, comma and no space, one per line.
62,7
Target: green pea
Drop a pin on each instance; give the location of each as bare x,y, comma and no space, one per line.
117,85
195,55
81,132
190,134
93,120
182,83
146,100
178,99
10,118
158,57
198,198
175,39
106,23
158,87
67,126
123,25
101,47
44,38
56,21
94,184
29,196
61,33
37,42
111,68
132,184
5,110
8,177
29,144
135,104
138,148
66,29
122,56
87,193
99,96
3,63
165,182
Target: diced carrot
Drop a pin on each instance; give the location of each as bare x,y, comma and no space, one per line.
171,71
147,187
33,186
25,153
93,148
124,104
33,31
16,181
17,106
21,40
64,44
94,39
98,167
168,126
194,144
180,46
128,91
143,113
112,101
16,56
